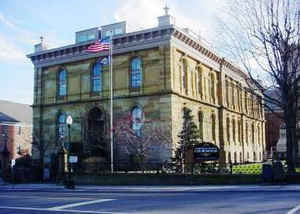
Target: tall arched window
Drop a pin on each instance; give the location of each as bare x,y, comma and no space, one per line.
228,129
239,132
62,83
258,134
233,130
200,116
233,95
213,127
246,102
235,157
247,133
184,75
229,157
212,86
137,120
200,86
253,133
96,77
227,92
61,125
135,73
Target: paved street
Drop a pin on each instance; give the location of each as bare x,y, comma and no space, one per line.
117,200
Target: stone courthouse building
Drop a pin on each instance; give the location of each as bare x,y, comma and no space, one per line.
156,73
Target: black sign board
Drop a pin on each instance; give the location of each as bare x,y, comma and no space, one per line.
206,152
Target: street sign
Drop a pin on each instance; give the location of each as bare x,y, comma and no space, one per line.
73,159
13,163
206,152
69,120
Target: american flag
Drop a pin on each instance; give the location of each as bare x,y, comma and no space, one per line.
98,46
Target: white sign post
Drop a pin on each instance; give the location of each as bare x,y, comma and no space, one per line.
13,163
69,120
73,159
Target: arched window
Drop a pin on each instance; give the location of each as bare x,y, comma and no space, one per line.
227,92
212,87
229,157
235,157
200,116
241,158
96,77
228,129
61,125
233,130
247,134
213,127
199,83
260,156
246,102
184,75
62,83
253,133
135,73
233,95
137,120
239,131
258,134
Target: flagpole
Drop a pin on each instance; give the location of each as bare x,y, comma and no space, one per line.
111,106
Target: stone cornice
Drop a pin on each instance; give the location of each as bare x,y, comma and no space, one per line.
204,50
138,40
124,43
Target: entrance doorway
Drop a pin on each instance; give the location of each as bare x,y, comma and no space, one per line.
96,133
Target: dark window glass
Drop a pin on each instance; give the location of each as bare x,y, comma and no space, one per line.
97,77
137,120
61,125
136,73
62,83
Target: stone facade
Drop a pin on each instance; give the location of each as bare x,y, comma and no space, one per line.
177,71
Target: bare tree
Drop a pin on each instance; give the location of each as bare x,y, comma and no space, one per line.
263,37
154,134
40,147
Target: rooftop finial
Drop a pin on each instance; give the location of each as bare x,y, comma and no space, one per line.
166,8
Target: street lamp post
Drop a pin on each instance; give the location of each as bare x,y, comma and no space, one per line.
70,183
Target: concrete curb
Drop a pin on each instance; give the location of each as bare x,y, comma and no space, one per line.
148,189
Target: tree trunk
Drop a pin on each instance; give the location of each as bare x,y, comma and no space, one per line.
290,121
41,166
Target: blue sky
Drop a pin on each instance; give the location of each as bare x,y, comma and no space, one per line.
23,22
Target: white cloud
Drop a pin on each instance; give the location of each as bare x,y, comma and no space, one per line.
141,14
9,52
6,22
22,35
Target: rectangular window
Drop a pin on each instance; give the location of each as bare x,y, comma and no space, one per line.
96,85
63,90
20,130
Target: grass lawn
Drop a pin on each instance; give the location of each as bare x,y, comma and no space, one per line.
251,169
255,168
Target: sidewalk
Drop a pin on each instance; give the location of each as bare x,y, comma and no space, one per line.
149,189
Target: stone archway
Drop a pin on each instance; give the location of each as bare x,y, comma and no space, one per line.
96,133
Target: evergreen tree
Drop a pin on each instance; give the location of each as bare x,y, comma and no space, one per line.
188,137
